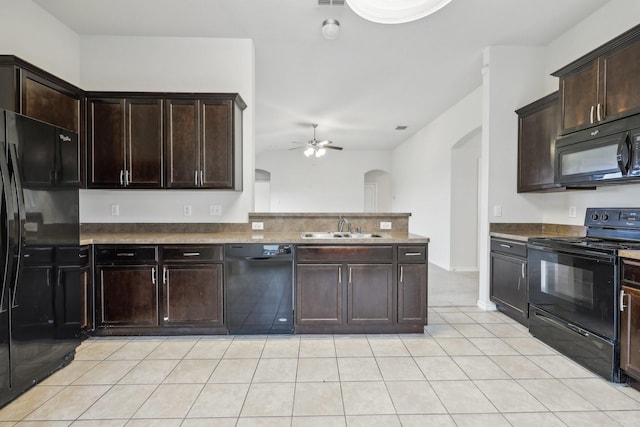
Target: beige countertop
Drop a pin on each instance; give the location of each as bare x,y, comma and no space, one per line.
525,231
632,254
524,236
239,237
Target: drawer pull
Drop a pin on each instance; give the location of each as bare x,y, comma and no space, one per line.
82,255
502,245
401,274
126,254
191,254
622,306
412,253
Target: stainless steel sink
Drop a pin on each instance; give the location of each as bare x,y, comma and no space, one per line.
338,235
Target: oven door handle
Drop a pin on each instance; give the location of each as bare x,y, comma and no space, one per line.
581,253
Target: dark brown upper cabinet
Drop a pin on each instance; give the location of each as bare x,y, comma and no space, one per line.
125,142
29,90
538,128
203,144
603,85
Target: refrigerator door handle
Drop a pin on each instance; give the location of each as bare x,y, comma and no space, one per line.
13,156
5,193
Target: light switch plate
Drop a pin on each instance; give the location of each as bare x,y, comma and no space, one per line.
257,226
572,211
215,210
187,210
497,210
384,225
115,210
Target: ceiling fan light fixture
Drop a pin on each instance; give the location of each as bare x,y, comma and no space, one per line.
330,29
320,152
309,151
395,11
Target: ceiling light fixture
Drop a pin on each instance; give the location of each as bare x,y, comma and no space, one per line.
330,29
395,11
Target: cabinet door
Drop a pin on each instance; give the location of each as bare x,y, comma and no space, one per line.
144,143
579,95
319,294
127,296
192,294
33,314
106,140
45,101
412,293
509,283
621,82
538,128
370,293
182,144
69,301
216,146
630,332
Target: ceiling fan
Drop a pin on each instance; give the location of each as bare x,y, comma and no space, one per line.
315,147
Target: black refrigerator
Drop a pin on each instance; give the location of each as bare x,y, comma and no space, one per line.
39,253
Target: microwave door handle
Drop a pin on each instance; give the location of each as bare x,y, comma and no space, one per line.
623,155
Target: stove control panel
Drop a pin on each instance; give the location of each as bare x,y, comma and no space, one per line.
613,217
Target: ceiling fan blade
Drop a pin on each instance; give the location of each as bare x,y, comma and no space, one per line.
297,148
332,147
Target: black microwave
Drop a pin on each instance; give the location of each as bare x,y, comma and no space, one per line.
606,154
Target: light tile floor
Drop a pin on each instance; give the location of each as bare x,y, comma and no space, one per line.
470,368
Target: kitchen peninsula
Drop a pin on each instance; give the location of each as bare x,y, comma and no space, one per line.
172,278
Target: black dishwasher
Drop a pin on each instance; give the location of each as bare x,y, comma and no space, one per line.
259,288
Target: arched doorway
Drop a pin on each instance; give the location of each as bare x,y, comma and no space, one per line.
262,191
377,191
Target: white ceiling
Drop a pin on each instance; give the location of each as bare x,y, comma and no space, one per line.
357,87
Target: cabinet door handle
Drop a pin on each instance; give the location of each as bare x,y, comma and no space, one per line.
350,270
167,315
340,275
523,272
196,178
401,274
599,110
412,253
122,177
591,115
165,275
153,275
622,306
502,245
191,254
201,178
126,178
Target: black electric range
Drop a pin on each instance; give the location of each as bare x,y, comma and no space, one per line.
574,286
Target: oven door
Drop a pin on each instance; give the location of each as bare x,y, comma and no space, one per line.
578,286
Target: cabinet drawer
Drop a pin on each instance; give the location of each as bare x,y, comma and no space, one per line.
345,253
412,254
631,273
509,247
126,254
39,256
188,253
73,255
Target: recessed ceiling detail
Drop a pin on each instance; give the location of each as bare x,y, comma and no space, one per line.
330,2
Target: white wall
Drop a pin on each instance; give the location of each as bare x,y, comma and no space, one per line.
34,35
332,183
172,65
421,176
465,157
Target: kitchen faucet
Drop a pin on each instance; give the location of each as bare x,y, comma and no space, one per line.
342,223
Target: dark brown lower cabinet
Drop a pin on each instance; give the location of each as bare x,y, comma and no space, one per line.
192,294
319,294
370,293
630,319
509,289
127,295
355,289
412,292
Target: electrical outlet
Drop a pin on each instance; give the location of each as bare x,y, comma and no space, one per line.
257,225
187,210
497,210
215,210
385,225
572,211
115,210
